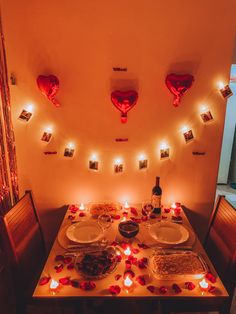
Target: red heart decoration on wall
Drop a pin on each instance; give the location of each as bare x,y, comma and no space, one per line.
178,85
49,86
124,101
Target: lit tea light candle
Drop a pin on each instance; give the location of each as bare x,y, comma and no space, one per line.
126,205
128,283
173,206
203,285
123,219
127,251
54,286
81,206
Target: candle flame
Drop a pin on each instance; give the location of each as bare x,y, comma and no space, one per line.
203,284
127,252
128,282
54,284
126,205
173,205
81,207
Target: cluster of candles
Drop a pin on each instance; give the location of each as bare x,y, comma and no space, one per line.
164,149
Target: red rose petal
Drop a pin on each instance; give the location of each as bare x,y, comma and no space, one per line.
176,288
59,258
87,285
44,280
141,280
59,268
163,289
151,288
142,263
212,289
116,217
67,260
125,213
132,259
164,217
82,214
135,251
124,245
71,266
117,277
75,283
211,277
189,285
177,218
71,217
166,210
65,281
144,218
114,289
143,246
134,211
129,272
128,264
114,243
118,258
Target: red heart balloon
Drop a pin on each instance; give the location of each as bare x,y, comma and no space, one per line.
49,86
124,101
178,85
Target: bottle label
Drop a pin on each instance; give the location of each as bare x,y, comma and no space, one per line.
156,203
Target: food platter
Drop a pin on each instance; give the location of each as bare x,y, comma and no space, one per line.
110,208
96,264
171,264
169,233
84,232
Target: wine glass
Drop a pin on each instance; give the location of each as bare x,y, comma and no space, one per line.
147,208
104,221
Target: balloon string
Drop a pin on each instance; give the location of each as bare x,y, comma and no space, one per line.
176,100
54,101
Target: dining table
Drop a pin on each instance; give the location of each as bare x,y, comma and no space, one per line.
62,280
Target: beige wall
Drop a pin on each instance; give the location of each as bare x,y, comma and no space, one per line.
80,42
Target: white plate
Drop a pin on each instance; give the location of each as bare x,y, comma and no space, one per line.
169,233
84,232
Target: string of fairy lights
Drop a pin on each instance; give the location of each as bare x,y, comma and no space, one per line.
164,149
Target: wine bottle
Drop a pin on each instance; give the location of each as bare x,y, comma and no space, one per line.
156,198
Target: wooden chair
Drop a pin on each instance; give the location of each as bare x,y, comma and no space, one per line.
23,244
220,244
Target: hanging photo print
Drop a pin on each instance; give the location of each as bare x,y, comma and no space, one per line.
164,153
25,115
226,91
206,116
93,164
46,137
188,136
143,164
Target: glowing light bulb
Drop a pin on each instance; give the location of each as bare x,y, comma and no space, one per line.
127,251
203,285
142,157
48,129
184,129
94,157
163,145
203,108
118,161
71,145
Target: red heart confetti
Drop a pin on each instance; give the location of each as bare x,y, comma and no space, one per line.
210,277
141,280
176,288
70,266
59,268
65,281
151,288
189,285
44,280
87,285
117,277
114,289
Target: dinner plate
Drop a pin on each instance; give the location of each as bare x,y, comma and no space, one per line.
169,233
84,232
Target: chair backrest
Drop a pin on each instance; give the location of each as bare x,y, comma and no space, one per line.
23,240
220,242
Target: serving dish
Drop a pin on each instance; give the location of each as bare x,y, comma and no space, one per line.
177,264
110,208
96,264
